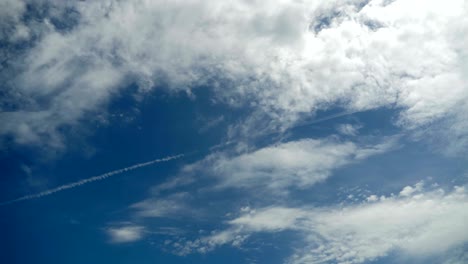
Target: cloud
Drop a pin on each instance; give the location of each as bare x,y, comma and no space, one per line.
125,234
283,60
299,164
458,256
11,11
409,190
269,219
349,129
422,224
171,206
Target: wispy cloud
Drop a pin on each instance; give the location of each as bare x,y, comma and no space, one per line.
300,163
173,205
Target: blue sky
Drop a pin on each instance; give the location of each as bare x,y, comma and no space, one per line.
233,132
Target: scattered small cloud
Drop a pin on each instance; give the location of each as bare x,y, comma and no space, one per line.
349,129
372,198
125,233
409,190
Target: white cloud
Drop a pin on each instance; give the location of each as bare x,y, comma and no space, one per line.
420,226
125,234
349,129
269,219
299,163
279,57
409,190
372,198
11,12
431,223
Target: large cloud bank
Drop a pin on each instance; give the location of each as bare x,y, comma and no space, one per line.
282,59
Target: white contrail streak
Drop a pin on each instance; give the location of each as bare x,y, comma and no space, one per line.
326,118
303,124
89,180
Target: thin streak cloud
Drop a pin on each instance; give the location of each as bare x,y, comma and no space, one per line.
90,180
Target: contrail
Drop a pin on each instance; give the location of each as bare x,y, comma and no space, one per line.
89,180
303,124
326,118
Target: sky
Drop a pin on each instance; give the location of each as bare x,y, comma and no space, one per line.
288,131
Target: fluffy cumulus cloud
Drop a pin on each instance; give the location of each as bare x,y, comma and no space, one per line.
419,225
298,164
283,59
